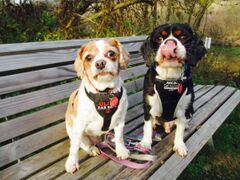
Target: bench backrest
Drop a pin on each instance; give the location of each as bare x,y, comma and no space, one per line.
36,80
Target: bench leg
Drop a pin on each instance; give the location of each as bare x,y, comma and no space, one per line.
210,143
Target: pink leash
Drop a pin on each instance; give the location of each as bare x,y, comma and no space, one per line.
132,146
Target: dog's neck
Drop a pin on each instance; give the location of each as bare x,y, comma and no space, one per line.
95,86
169,73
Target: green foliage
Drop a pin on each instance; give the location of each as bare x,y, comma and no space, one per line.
221,66
25,22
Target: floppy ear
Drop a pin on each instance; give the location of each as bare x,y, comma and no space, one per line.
147,52
78,64
124,56
197,50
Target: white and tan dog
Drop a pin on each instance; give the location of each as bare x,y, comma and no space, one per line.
100,104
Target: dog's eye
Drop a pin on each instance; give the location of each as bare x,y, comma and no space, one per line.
89,57
111,54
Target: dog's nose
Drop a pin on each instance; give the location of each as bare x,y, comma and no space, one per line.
100,64
168,50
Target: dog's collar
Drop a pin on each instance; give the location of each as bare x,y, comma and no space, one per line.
106,103
107,90
169,84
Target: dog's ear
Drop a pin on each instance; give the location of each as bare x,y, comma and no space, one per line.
78,64
196,50
147,52
151,44
124,56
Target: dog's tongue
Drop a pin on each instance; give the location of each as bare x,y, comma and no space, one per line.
168,49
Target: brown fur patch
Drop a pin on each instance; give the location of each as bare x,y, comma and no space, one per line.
72,108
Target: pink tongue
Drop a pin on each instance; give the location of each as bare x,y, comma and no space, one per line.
168,49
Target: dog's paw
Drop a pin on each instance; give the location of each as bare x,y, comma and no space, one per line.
145,144
122,152
93,151
180,149
71,164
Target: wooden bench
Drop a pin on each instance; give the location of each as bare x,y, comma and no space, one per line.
36,80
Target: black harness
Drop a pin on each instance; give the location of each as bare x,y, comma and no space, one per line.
106,103
170,93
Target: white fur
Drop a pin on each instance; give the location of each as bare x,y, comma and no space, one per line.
88,122
168,71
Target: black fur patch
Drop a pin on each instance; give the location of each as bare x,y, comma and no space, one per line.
193,44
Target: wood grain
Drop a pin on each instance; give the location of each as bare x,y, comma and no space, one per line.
197,141
13,105
164,148
32,79
22,147
62,44
39,60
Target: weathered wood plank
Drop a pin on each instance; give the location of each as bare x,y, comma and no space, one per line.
58,168
164,148
109,167
31,100
39,60
214,91
52,45
31,79
42,77
21,125
197,141
22,147
203,90
133,72
135,85
56,152
36,162
30,122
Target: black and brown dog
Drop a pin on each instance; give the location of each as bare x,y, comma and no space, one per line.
170,51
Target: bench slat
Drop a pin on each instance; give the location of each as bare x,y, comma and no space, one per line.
197,141
37,162
24,124
32,79
42,77
197,87
62,44
164,148
22,147
114,167
31,100
13,171
38,60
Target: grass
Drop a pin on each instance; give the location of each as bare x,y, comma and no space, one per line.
222,162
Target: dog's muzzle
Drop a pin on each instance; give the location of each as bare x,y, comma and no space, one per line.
168,50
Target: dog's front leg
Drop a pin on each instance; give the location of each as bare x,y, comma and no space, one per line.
147,134
179,146
71,164
121,151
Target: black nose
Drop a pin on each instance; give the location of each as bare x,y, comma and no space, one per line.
100,64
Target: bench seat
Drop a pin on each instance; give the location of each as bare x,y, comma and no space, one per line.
33,141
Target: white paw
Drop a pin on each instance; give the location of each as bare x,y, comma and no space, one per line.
146,144
93,151
71,164
122,152
157,137
180,149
